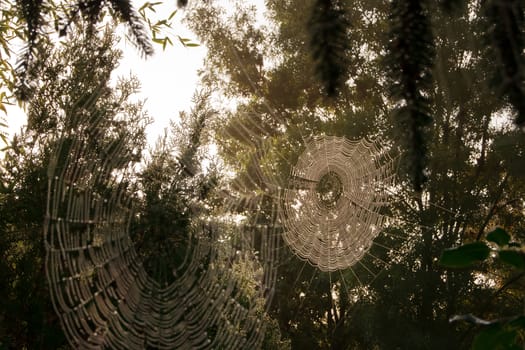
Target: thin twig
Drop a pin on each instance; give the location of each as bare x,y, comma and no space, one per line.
492,210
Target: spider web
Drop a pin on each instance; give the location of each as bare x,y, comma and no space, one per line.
331,208
330,192
98,282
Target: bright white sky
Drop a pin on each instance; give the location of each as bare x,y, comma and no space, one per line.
169,78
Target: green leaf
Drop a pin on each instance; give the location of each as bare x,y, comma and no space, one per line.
146,4
495,337
191,45
158,41
499,236
465,255
515,258
519,322
172,14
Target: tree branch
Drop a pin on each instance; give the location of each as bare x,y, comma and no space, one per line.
493,208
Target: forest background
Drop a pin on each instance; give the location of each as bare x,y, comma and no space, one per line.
442,82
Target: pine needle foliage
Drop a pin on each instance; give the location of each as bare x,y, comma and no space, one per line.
127,14
409,63
505,33
328,27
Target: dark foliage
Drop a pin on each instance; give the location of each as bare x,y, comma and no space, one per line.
451,5
409,63
30,12
328,27
174,188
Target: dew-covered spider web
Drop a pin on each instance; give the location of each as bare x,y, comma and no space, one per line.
331,207
332,192
105,295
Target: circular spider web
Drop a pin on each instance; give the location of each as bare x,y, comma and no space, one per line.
331,206
98,283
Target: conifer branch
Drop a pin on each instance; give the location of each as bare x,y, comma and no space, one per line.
136,27
328,29
409,61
